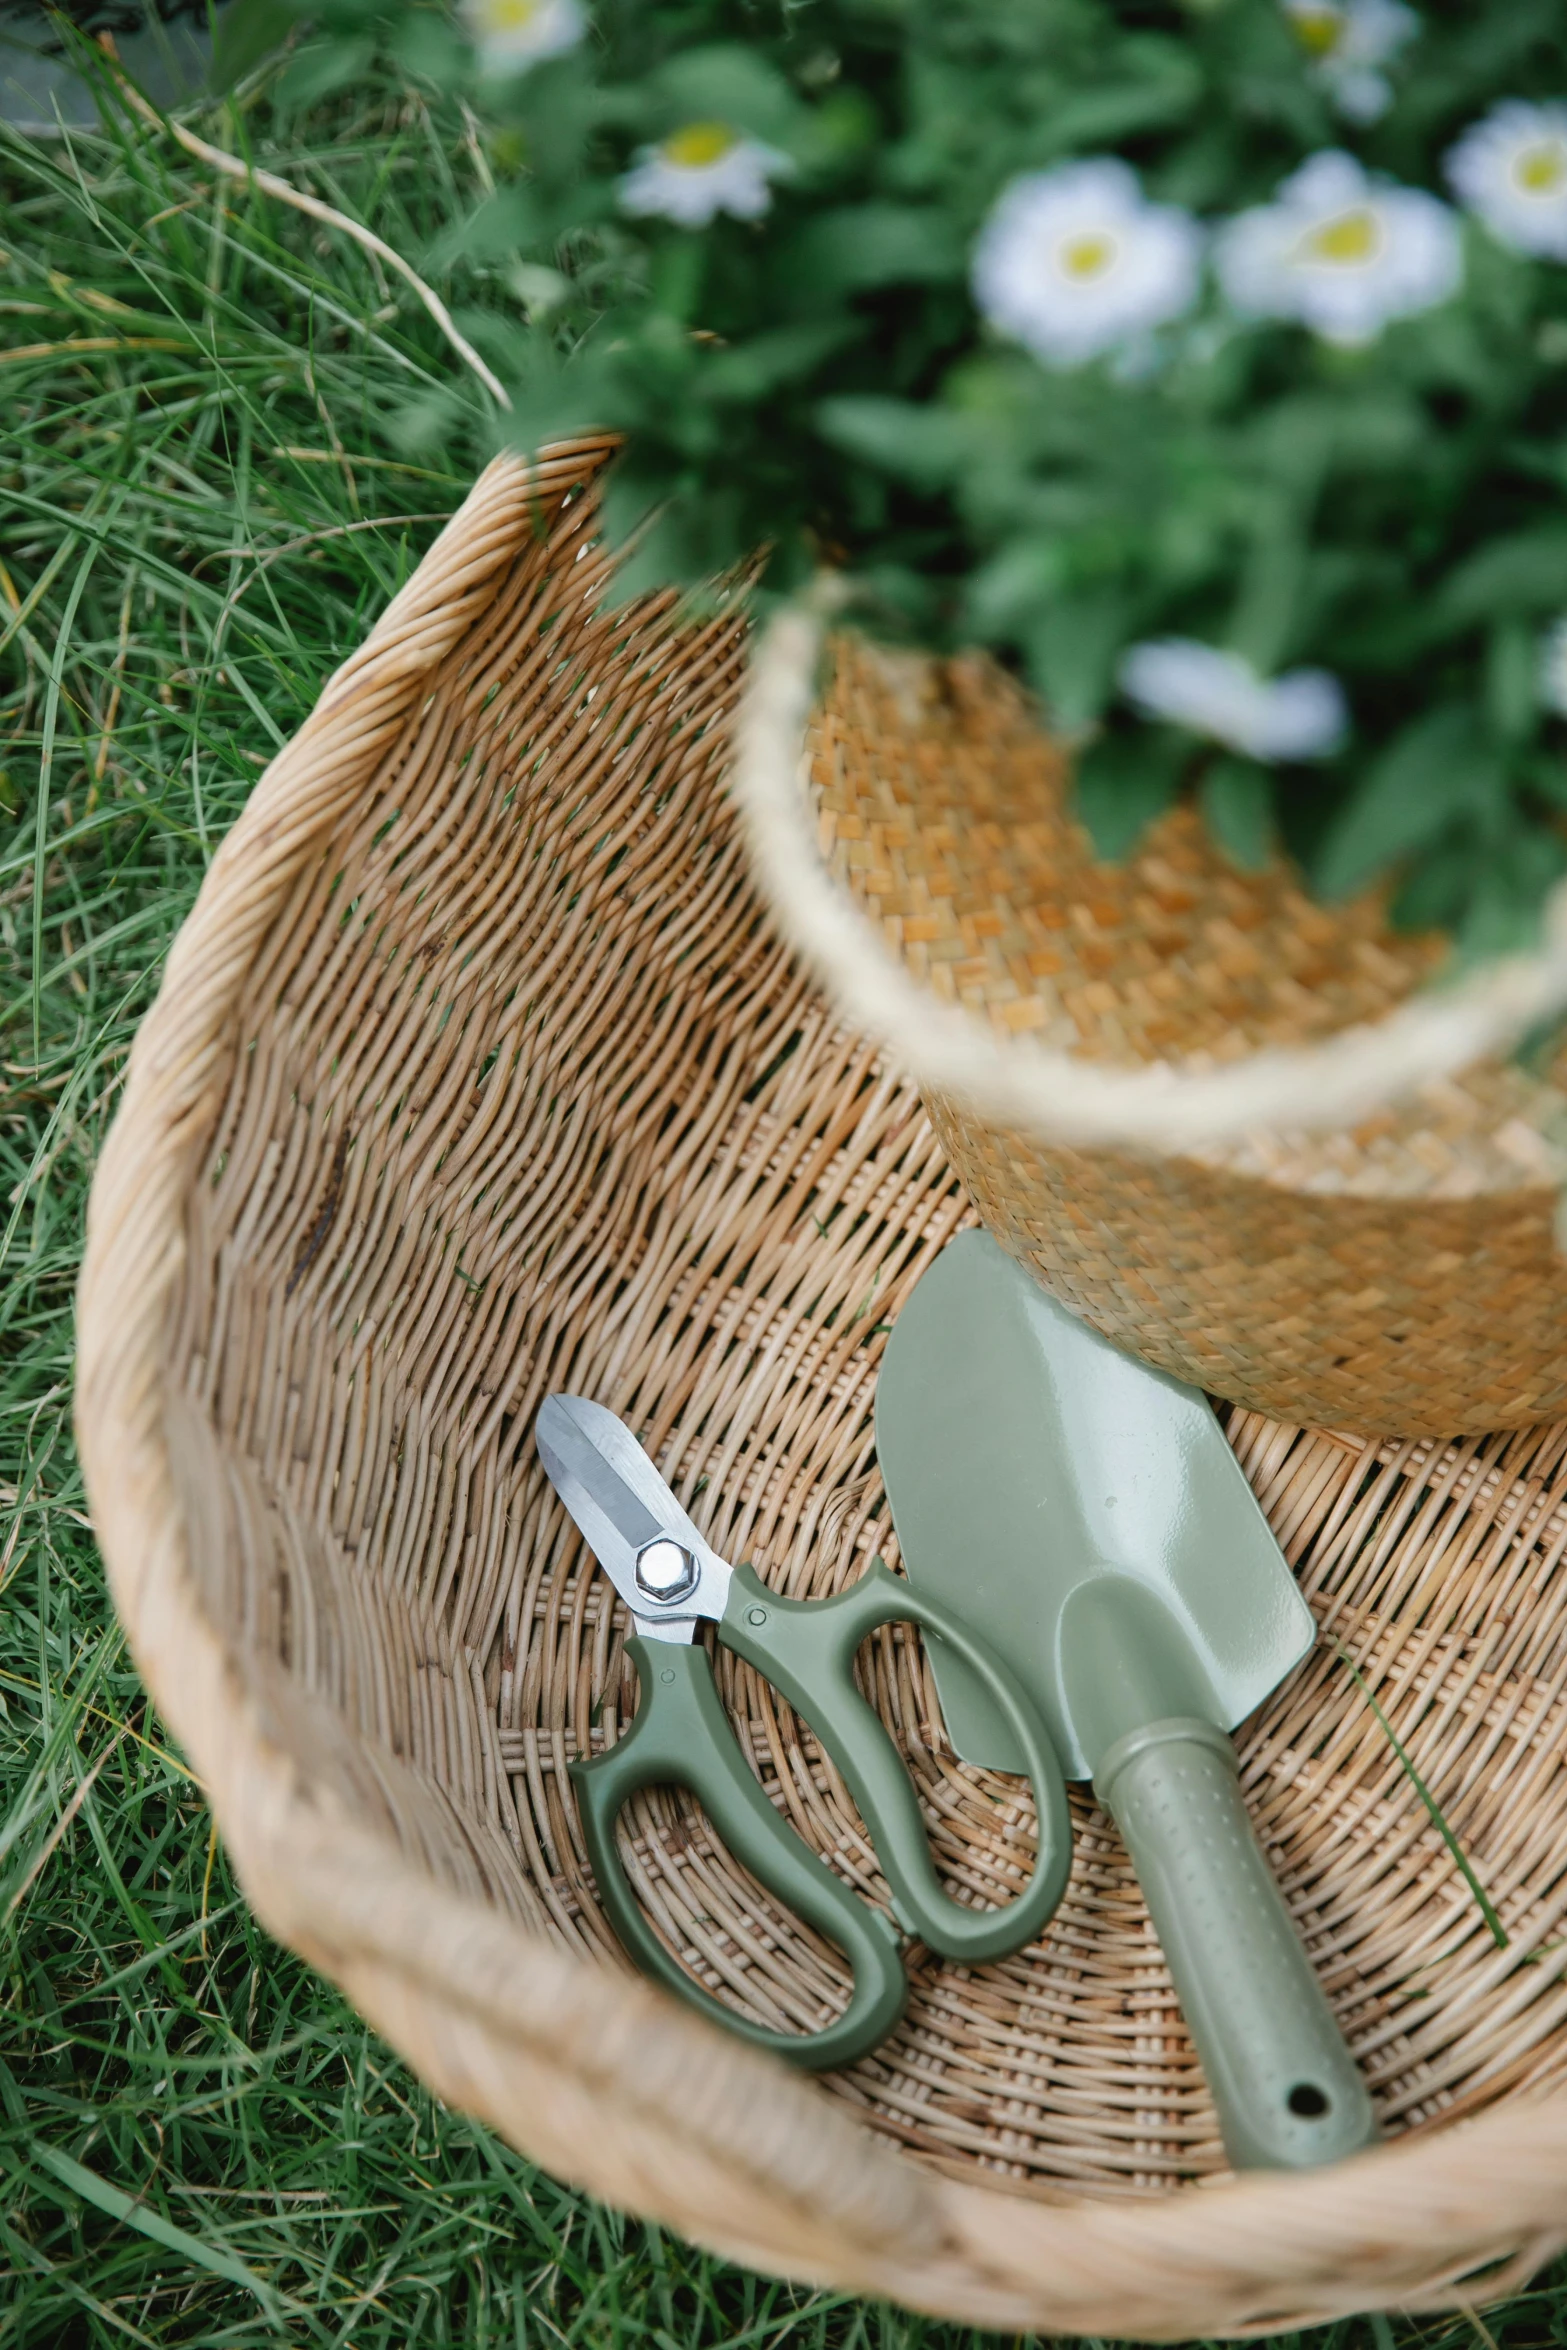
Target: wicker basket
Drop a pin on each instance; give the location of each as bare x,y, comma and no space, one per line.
1396,1268
476,1072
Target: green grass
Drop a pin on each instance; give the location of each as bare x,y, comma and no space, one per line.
200,2143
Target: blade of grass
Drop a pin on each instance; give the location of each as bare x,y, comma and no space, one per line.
56,1835
270,184
45,775
1461,1859
113,2200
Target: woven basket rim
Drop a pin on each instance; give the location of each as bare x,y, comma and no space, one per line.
1065,1097
803,2189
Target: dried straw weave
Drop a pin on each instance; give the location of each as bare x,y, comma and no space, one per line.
477,1071
1399,1274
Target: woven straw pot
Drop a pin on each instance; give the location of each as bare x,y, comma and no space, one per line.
1236,1130
477,1071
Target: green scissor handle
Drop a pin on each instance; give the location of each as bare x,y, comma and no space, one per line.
681,1737
805,1648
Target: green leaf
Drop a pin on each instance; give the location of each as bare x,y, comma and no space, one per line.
751,370
678,275
1544,770
685,540
1526,572
547,395
727,83
323,67
1512,680
1300,435
924,445
1169,87
1124,781
247,31
1434,892
859,246
540,291
1072,652
1237,801
1263,626
901,599
1511,885
427,45
432,422
1440,768
831,134
1006,593
505,223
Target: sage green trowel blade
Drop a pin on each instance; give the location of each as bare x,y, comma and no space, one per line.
1024,1457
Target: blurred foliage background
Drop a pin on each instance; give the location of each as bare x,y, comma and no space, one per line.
811,368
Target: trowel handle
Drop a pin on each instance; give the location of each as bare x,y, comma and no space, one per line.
1288,2091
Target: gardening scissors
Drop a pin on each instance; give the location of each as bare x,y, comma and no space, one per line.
670,1579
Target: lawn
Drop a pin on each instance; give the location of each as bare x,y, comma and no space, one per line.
230,435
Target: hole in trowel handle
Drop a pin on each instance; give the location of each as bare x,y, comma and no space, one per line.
1310,2102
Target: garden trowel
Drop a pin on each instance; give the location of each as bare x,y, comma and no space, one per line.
1086,1517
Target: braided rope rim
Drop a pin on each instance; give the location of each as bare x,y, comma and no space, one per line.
1058,1096
595,2074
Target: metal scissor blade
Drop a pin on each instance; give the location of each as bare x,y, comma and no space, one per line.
658,1562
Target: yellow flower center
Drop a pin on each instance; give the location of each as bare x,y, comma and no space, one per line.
1347,241
1542,170
1318,30
1089,255
699,145
511,16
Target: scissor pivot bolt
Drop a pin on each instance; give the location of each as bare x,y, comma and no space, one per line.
664,1570
756,1615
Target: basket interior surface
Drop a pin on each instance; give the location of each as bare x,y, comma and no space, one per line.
522,1095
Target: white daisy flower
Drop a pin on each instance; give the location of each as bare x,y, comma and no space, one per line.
1300,715
1512,170
1076,262
511,35
1349,41
1553,667
1340,252
700,170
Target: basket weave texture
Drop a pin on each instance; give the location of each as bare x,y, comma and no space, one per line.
1403,1275
478,1072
